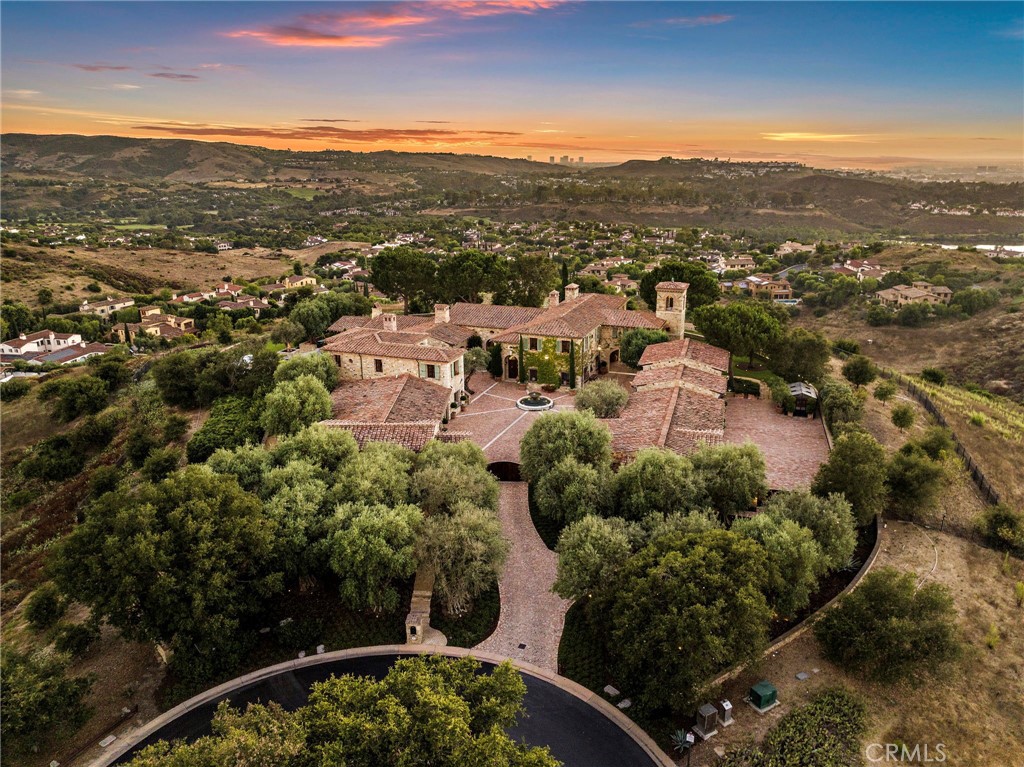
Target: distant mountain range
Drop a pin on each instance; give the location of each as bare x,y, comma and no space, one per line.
779,196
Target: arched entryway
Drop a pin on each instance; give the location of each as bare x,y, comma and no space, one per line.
513,368
506,471
613,357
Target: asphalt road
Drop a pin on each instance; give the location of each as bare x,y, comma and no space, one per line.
577,734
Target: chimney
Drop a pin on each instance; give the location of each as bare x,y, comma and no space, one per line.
390,322
442,314
375,312
553,298
572,290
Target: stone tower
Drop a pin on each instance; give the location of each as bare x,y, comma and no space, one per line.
671,306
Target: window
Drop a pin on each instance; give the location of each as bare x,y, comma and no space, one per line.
565,346
455,368
533,344
533,375
670,302
378,366
431,371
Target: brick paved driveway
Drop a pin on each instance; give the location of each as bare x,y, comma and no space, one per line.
793,447
496,424
530,614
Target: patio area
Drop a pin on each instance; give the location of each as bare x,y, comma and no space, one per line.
495,423
793,448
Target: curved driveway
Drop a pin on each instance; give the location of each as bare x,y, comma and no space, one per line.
532,617
581,729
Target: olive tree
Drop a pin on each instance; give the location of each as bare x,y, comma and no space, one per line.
295,404
605,399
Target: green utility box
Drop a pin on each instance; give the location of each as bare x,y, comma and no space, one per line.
763,695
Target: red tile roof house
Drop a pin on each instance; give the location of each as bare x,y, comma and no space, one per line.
587,325
71,354
403,409
388,345
678,402
106,308
40,342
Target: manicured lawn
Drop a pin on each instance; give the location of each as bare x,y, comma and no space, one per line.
475,626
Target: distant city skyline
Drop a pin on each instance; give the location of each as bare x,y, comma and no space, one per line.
870,85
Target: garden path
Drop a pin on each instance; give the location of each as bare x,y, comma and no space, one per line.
532,617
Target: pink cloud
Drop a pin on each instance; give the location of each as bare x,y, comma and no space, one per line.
361,29
300,36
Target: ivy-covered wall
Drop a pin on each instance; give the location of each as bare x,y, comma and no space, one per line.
550,363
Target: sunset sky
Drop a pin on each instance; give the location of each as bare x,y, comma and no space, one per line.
857,84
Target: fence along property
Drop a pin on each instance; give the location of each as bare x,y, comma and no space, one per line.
990,494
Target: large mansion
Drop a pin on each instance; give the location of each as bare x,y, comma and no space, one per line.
563,344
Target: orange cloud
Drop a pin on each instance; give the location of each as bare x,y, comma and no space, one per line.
299,36
329,133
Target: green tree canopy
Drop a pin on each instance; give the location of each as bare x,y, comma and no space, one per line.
633,342
313,316
840,405
426,710
379,474
914,481
466,551
855,468
795,560
605,399
370,548
439,485
684,608
801,355
40,701
590,552
531,276
554,436
571,490
703,283
829,519
295,404
320,366
859,370
184,560
888,628
747,328
732,476
403,272
657,481
464,275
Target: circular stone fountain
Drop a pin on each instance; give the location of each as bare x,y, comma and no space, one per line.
534,401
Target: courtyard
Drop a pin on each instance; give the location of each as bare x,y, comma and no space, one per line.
793,448
493,421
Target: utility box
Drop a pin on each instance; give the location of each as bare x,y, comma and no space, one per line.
707,721
725,713
763,696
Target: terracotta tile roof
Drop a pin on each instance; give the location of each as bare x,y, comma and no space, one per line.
580,316
672,286
382,344
490,316
402,321
456,335
673,417
454,436
72,353
685,349
395,399
347,322
411,435
682,375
